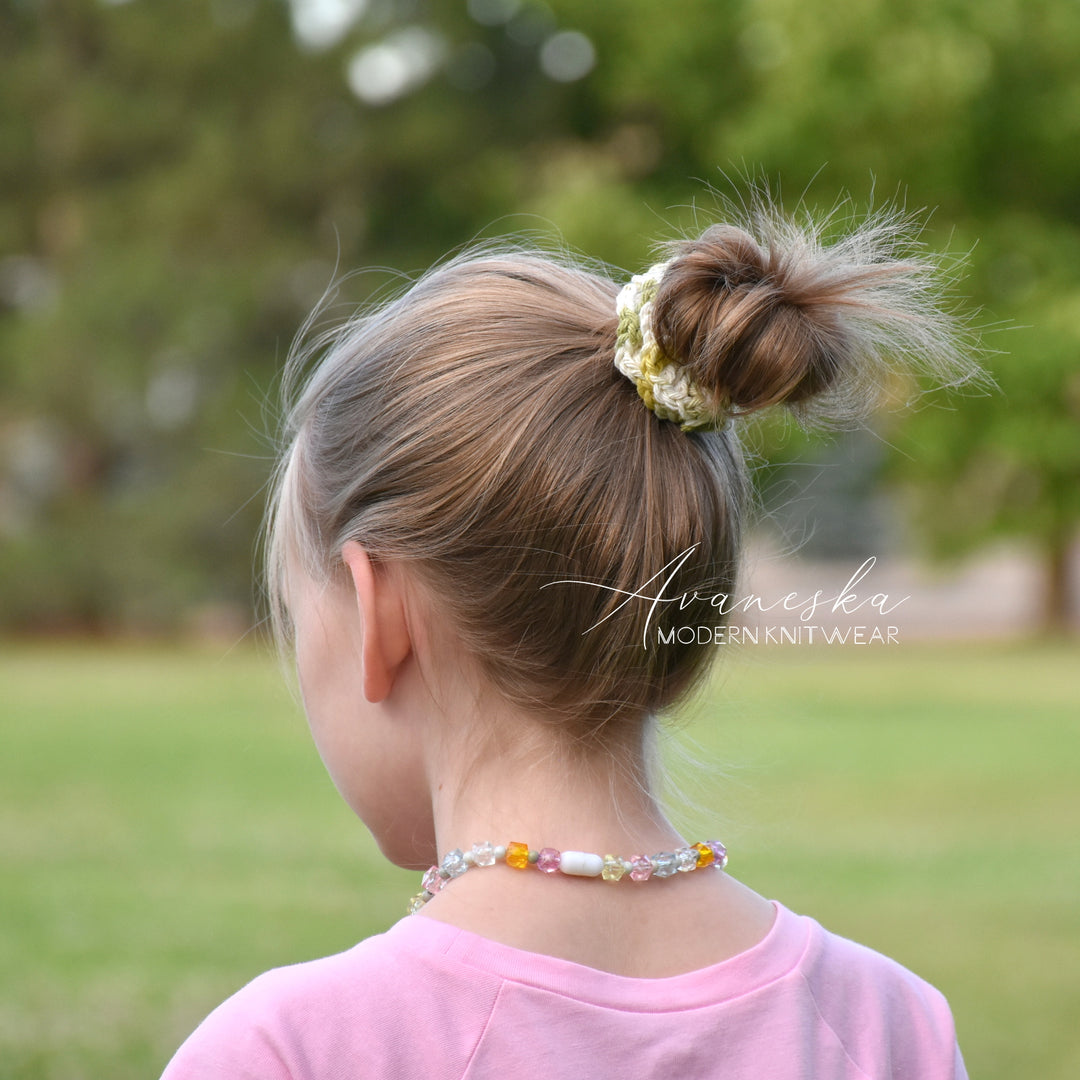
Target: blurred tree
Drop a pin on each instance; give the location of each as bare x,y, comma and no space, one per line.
976,105
970,108
179,179
160,191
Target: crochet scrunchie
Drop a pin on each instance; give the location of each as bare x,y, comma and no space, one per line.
662,383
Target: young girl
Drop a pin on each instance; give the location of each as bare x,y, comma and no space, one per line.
501,494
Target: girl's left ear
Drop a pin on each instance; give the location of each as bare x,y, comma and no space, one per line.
387,643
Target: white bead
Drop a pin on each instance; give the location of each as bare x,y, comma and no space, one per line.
500,851
582,864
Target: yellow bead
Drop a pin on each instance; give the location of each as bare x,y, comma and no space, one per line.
613,868
704,856
517,855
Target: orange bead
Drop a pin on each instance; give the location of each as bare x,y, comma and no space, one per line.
517,855
704,856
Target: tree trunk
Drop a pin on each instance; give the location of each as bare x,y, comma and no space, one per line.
1057,608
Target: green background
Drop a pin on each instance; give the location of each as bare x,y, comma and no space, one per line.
167,833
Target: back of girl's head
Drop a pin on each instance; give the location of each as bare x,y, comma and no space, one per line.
477,431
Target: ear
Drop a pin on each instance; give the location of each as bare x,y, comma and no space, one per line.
386,640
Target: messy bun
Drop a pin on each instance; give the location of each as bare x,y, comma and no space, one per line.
477,431
764,312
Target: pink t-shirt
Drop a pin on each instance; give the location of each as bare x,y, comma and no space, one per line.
430,1001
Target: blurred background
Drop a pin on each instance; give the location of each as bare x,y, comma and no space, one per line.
180,182
183,180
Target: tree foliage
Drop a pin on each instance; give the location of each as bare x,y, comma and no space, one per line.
181,179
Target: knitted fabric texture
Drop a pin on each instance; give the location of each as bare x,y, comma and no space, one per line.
662,383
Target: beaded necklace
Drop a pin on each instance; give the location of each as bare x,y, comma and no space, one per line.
574,863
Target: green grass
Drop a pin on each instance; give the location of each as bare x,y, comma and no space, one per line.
167,832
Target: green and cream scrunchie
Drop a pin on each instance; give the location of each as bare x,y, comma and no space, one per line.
662,383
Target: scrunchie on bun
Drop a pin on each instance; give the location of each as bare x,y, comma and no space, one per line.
765,312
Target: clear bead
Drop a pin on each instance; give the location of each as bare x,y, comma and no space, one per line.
686,859
454,864
664,864
483,854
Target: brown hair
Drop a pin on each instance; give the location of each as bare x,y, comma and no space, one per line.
477,430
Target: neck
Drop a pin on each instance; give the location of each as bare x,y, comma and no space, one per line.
528,786
546,793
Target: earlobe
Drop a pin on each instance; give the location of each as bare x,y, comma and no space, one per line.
386,640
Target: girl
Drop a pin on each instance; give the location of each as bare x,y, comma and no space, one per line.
500,495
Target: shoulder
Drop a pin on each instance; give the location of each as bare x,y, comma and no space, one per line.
374,1004
884,1015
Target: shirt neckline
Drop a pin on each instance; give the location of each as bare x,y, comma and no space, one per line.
775,956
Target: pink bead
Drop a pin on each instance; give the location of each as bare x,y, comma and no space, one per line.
432,882
549,860
719,852
640,868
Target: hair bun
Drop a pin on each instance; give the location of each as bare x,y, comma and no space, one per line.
764,312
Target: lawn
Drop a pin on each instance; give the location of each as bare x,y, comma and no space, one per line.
166,832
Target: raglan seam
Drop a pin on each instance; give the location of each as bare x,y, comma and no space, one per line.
836,1035
483,1031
